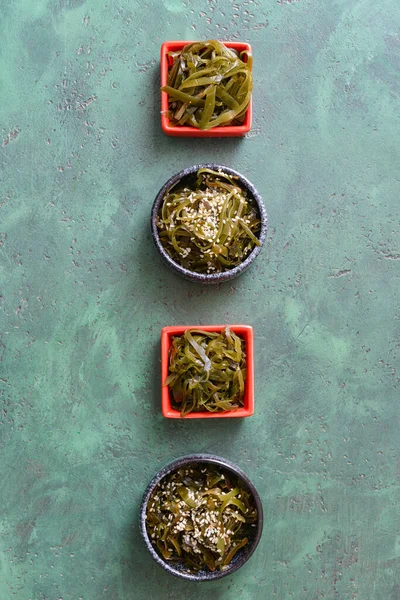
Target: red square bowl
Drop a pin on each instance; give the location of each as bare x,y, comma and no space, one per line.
243,331
187,131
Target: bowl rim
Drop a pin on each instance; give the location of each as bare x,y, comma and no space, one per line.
247,334
223,275
184,130
211,459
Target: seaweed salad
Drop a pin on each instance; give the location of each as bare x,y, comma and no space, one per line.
210,225
201,516
209,85
207,371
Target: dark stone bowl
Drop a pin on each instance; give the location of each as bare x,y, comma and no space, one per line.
212,277
240,557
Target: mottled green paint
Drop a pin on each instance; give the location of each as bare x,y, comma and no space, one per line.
84,296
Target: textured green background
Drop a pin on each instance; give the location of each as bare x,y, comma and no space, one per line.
84,296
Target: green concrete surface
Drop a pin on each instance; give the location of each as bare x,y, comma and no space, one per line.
84,296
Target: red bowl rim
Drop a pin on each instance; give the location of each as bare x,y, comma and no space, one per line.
246,332
183,131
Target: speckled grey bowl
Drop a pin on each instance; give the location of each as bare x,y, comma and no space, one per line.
242,556
212,277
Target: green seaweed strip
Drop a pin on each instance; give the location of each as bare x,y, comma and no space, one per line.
208,109
187,98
